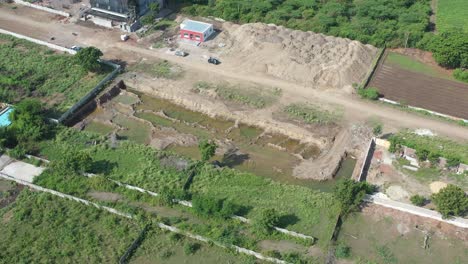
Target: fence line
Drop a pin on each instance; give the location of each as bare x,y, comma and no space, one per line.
43,8
37,41
129,216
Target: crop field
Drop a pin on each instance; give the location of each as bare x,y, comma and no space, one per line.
30,70
42,228
421,90
452,14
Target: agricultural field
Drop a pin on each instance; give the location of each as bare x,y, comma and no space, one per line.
42,228
382,235
452,15
30,70
399,80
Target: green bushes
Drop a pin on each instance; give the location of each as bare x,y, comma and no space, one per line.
342,251
350,193
88,58
461,75
311,114
451,201
190,248
418,200
370,21
265,222
208,206
207,149
368,93
450,48
431,147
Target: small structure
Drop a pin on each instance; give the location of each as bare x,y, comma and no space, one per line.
195,30
410,155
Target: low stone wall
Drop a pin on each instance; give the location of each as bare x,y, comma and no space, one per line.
43,8
40,42
367,160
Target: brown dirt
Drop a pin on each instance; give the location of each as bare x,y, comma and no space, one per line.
440,229
420,90
105,196
308,58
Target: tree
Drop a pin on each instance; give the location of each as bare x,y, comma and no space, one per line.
27,121
207,149
88,58
208,206
451,201
154,7
450,49
350,193
418,200
369,93
73,161
266,221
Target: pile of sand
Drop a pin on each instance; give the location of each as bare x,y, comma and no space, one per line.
304,57
437,186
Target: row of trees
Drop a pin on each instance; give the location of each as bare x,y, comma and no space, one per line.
378,22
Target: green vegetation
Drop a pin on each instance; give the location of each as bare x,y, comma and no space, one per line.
435,147
377,22
255,97
311,114
29,70
158,69
350,194
452,15
451,201
450,49
266,221
411,64
88,58
342,251
207,149
208,206
418,200
368,93
42,228
461,75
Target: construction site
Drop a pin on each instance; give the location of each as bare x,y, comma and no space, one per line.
280,105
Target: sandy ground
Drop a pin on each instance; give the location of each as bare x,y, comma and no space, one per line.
44,26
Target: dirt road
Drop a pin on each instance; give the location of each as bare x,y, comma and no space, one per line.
44,26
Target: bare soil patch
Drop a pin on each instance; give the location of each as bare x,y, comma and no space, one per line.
105,196
308,58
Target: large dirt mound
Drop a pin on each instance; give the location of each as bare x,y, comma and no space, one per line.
303,57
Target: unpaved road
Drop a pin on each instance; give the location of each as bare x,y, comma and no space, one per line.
44,26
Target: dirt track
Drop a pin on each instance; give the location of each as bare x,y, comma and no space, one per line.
420,90
44,26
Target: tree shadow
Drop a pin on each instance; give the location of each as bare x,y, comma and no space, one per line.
287,220
103,166
231,158
243,210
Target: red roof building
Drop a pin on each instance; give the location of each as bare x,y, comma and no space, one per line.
195,30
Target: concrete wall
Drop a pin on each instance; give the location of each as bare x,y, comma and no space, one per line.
43,8
40,42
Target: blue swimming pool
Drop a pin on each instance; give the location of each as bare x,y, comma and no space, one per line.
4,117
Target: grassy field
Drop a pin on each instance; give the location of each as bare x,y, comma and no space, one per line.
160,247
387,241
41,228
411,64
452,14
31,70
311,114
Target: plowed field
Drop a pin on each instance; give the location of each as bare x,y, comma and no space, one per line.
421,90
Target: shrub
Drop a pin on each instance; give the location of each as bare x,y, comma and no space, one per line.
461,75
450,49
209,206
175,237
369,93
88,58
18,152
451,201
418,200
350,194
266,221
148,19
190,248
207,149
342,251
377,130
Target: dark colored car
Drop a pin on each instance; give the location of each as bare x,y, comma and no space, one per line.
214,61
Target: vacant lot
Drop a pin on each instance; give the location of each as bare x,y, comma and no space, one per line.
31,70
382,235
411,87
42,228
452,14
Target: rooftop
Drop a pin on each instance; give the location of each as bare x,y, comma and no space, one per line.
193,25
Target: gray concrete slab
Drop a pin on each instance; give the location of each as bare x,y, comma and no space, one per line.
4,160
22,171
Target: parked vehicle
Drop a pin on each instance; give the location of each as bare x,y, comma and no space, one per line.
124,37
214,61
76,48
181,53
